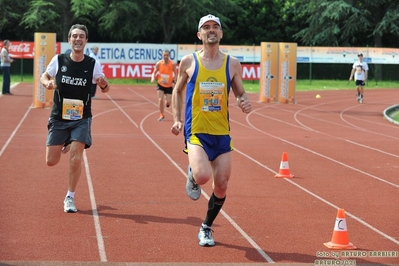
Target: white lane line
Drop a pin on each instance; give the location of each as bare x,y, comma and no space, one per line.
231,220
311,193
314,152
97,226
15,131
323,200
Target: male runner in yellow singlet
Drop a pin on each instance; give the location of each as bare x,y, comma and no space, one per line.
208,75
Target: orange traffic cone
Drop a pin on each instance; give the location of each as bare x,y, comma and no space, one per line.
340,238
284,168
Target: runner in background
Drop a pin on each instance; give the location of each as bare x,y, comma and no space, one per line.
166,73
360,71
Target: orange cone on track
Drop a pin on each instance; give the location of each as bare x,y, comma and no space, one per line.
340,239
284,167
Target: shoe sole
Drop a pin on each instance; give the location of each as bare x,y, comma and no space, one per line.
70,211
206,245
193,196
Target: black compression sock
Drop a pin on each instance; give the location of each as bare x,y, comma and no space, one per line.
214,206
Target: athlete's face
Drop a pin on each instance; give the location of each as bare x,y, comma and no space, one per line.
210,32
165,56
78,39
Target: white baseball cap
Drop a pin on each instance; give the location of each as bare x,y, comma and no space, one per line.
207,18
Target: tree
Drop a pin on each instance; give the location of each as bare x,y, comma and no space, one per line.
157,20
259,20
9,18
245,22
348,23
45,15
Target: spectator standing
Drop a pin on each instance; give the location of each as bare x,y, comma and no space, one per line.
6,67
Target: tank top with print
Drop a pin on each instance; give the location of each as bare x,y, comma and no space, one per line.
165,75
73,81
207,95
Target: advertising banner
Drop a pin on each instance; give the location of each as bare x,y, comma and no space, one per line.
117,53
127,53
45,49
269,72
144,71
371,55
24,50
287,72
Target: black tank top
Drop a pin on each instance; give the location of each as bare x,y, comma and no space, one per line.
73,81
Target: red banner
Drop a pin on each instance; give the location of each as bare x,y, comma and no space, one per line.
144,71
25,50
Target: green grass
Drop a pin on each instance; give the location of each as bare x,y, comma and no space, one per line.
253,86
396,117
307,85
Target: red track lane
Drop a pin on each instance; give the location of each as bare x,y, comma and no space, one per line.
131,199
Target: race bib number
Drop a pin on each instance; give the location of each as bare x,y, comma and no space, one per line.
72,109
164,79
211,96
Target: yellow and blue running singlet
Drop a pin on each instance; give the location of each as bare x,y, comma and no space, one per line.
207,95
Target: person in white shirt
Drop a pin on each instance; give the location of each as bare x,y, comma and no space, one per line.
360,71
94,52
69,124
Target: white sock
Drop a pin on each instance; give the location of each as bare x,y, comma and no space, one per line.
70,194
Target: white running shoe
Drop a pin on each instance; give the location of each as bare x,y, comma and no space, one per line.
205,236
193,190
69,205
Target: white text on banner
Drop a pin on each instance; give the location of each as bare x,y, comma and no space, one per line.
287,72
269,72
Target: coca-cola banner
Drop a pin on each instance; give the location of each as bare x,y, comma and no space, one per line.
25,50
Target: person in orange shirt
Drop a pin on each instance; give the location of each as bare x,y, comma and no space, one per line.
166,72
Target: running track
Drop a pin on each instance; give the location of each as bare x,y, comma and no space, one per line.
133,209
